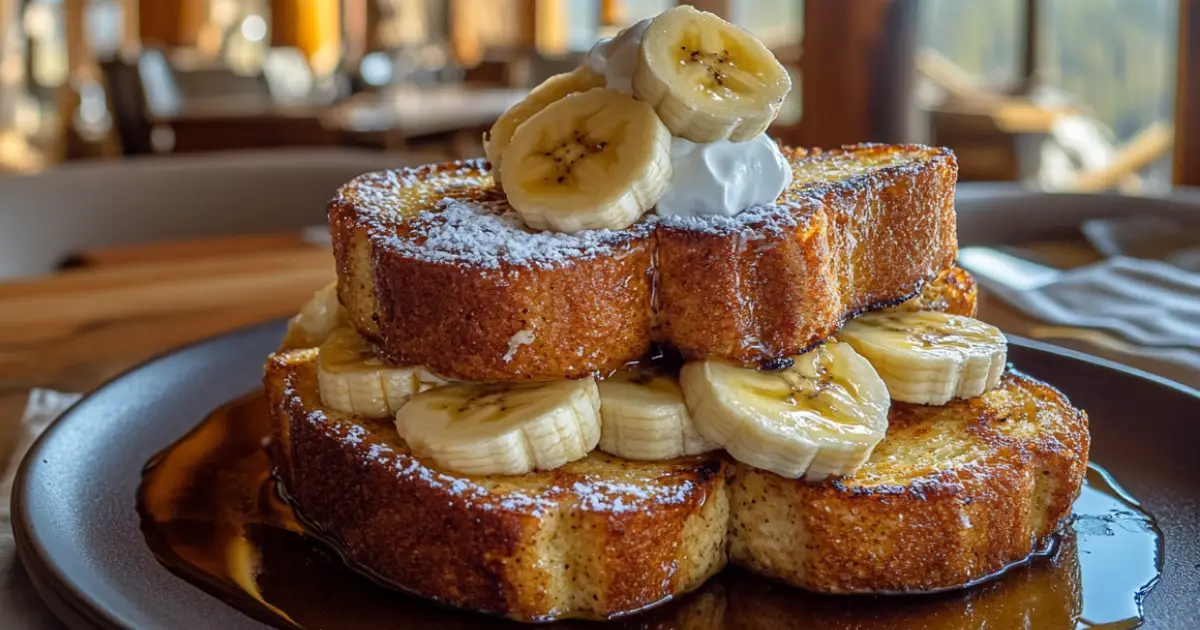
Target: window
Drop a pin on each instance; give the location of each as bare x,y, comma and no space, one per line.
1099,94
1116,56
980,36
776,22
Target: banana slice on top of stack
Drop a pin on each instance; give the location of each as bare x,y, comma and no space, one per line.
929,357
594,160
708,79
821,416
579,154
551,90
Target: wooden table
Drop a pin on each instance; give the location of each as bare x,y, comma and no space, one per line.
75,330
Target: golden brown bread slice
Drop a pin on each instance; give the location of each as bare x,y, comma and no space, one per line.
595,538
436,269
951,495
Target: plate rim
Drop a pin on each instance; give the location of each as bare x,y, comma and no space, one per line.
83,608
47,578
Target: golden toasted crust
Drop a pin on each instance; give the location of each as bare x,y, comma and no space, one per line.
596,538
952,291
434,267
952,494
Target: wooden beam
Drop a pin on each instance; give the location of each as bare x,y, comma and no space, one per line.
550,27
612,13
171,24
857,72
356,16
464,33
11,44
1187,96
527,25
130,41
312,26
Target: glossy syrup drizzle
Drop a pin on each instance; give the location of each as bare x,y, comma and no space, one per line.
212,514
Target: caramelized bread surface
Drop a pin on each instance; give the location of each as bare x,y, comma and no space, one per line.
596,538
951,495
437,270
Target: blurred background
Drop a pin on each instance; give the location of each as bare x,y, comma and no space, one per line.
1062,95
165,165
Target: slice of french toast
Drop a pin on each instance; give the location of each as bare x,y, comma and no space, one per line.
595,538
951,495
436,269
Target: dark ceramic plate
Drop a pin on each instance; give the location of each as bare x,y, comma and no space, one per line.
78,534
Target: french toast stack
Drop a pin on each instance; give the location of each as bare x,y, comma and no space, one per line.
952,494
507,410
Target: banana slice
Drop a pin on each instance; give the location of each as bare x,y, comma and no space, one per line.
556,87
503,428
643,417
352,379
708,79
588,161
317,318
821,416
929,357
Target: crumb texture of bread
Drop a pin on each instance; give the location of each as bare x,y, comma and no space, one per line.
595,538
436,269
952,494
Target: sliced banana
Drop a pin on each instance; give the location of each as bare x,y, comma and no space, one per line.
708,79
929,357
503,428
317,318
352,379
822,416
643,417
594,160
556,87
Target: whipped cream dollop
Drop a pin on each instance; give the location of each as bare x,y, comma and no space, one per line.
714,178
616,57
724,177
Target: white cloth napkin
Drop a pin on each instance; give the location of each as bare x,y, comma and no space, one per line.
1147,302
20,606
1150,308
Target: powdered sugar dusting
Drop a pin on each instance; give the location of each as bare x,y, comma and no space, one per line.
617,498
487,234
453,214
759,219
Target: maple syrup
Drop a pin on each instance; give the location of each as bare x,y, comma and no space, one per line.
213,514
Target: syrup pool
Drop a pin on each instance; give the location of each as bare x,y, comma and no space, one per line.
213,514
